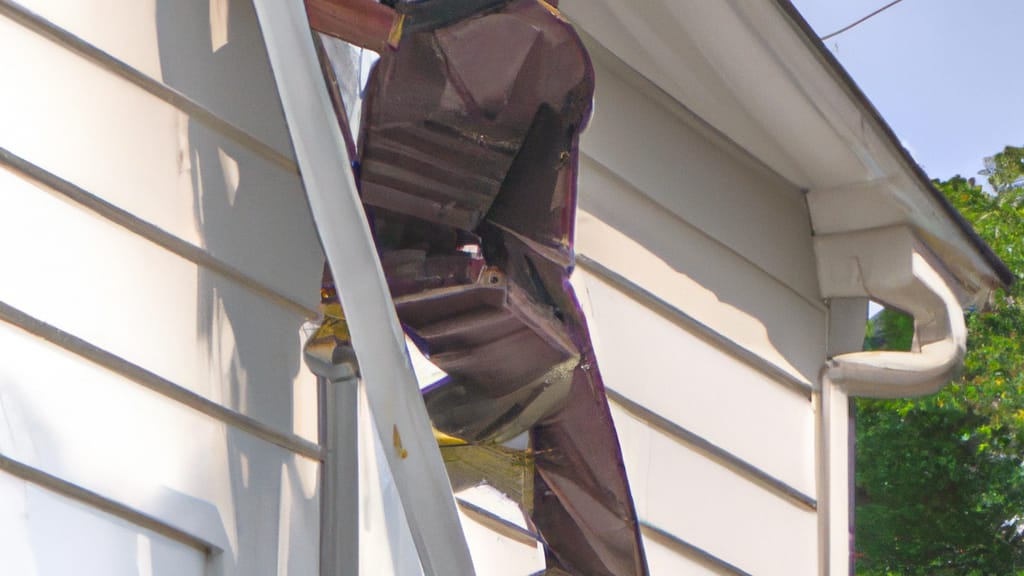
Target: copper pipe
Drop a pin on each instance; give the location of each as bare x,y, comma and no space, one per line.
364,23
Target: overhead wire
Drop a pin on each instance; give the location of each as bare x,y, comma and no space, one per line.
862,20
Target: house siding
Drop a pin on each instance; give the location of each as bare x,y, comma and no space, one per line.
696,268
159,260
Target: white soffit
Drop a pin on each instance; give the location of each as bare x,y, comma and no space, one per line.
750,70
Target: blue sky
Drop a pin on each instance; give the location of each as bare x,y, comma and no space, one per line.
946,74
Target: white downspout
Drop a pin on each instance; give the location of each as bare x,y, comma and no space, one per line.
888,265
891,267
339,474
940,338
939,344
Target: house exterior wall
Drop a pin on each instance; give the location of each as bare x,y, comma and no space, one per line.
159,259
696,267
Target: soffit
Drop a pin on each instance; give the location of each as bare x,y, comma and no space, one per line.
753,71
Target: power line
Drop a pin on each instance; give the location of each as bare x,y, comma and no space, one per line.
862,20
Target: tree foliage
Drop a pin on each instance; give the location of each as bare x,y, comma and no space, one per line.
1005,170
940,479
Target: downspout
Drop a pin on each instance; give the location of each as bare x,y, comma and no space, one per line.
892,267
338,395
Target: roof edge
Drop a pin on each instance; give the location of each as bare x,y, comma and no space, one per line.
1002,271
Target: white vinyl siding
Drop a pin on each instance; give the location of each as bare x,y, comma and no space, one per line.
172,169
696,271
63,536
682,492
211,51
683,378
159,260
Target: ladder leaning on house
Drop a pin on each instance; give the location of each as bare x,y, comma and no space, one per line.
392,391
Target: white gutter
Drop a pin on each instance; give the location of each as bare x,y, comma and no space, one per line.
892,267
391,388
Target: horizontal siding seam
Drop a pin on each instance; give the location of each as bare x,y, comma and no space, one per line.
147,230
689,550
714,452
92,499
121,69
156,383
698,328
498,524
